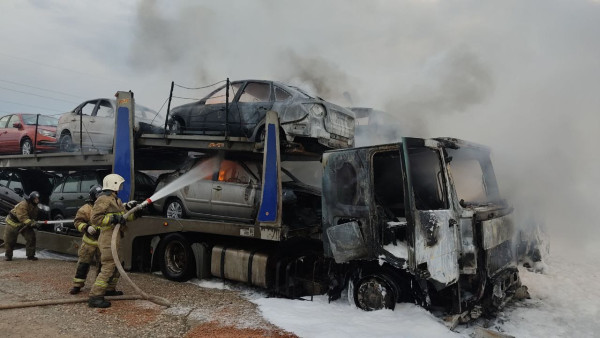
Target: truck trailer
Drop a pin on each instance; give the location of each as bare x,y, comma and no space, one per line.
418,221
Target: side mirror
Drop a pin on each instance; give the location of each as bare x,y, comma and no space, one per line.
19,191
17,125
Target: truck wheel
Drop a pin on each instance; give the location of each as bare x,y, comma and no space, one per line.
176,258
174,209
375,292
26,147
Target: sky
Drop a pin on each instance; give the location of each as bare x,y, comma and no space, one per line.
522,77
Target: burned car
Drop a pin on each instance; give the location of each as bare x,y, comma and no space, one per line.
307,120
15,184
92,124
231,189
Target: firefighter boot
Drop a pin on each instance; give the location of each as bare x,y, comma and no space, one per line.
32,258
7,258
113,293
75,290
99,302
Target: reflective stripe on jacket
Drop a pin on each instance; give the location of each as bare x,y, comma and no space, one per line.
24,213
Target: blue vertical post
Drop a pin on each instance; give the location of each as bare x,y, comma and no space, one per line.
270,205
123,143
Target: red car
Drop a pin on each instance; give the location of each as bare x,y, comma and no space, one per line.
17,133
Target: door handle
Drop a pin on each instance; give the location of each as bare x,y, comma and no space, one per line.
80,197
218,188
62,198
73,120
452,222
92,121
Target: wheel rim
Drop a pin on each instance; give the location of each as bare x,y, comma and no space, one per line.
175,257
374,293
65,143
174,210
175,127
26,148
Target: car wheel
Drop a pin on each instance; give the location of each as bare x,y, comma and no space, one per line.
58,227
26,147
174,209
176,258
175,127
65,142
374,292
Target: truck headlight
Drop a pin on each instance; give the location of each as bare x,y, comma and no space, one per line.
47,133
316,109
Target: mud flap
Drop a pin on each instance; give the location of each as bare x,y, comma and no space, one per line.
202,256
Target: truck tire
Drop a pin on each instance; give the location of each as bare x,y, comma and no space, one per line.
375,292
176,258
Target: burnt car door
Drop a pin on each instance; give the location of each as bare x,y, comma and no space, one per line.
234,192
253,103
432,220
8,197
208,116
72,197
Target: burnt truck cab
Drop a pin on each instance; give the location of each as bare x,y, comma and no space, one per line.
419,221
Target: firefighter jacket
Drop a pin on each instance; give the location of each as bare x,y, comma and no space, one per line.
107,205
24,213
82,222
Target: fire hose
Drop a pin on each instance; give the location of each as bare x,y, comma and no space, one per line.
113,247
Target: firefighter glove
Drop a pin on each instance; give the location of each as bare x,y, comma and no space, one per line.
116,219
91,230
131,204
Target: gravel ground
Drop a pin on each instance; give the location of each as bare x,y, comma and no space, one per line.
196,311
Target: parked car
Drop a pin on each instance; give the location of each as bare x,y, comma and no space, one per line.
17,133
15,184
307,120
97,118
72,191
232,192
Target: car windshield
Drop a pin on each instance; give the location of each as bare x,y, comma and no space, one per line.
149,115
473,176
43,120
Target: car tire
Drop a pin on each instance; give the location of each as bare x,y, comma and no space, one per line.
174,209
375,292
176,127
26,147
176,258
65,142
57,217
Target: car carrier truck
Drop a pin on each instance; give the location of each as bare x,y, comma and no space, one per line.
419,220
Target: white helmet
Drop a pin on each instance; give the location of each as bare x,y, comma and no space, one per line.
112,182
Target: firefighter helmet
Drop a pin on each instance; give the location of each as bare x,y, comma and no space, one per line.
112,182
32,196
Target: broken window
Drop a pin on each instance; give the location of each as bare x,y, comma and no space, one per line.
220,95
231,171
387,182
427,179
256,92
281,95
473,176
346,181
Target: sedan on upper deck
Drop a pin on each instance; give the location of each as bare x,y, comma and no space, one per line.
310,121
97,121
18,133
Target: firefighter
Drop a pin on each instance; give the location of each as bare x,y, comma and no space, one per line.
88,251
20,220
107,212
